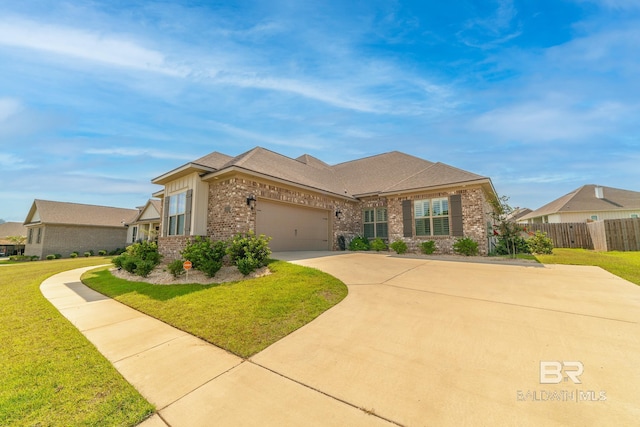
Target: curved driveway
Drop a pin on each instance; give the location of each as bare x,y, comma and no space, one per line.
429,342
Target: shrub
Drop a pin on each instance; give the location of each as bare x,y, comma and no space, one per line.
511,246
144,267
139,258
73,255
175,268
102,252
342,243
87,254
34,257
91,252
58,256
51,257
379,245
359,243
466,246
203,250
428,247
399,246
540,244
116,251
247,265
210,267
76,252
249,246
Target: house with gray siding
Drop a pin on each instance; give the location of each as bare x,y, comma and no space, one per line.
62,228
304,203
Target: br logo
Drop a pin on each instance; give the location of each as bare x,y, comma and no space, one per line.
554,372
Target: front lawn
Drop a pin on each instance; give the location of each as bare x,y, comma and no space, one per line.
51,374
243,317
622,264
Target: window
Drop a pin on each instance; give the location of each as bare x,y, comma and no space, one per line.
134,234
594,217
39,238
30,238
634,215
177,209
432,217
375,223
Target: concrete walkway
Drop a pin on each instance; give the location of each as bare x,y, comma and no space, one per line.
416,342
191,382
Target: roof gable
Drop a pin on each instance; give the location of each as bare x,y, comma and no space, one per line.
437,174
50,212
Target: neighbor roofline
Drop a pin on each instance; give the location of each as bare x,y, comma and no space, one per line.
240,169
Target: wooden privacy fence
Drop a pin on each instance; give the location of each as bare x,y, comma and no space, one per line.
566,235
616,234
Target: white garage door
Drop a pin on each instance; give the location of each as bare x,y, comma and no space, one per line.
293,228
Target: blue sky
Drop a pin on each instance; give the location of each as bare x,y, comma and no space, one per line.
99,97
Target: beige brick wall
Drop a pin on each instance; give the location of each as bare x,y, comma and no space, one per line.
64,239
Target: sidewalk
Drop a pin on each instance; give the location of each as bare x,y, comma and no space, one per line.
191,382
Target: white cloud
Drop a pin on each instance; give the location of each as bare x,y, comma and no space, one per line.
12,162
138,152
84,44
262,138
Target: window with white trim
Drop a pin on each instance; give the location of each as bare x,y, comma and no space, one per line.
30,234
634,215
39,238
432,217
134,233
375,224
177,210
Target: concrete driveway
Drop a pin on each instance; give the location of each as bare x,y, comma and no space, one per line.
429,342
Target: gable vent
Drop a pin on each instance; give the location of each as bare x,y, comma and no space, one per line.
599,192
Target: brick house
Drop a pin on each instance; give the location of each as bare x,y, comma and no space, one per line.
62,228
306,204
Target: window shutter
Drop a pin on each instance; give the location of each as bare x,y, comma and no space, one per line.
455,208
187,213
165,217
407,218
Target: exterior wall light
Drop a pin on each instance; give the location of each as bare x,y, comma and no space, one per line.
338,214
251,201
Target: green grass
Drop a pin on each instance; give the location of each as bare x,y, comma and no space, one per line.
243,317
622,264
51,374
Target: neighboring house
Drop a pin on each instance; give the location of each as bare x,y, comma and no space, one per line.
306,204
146,224
11,229
588,203
519,213
62,228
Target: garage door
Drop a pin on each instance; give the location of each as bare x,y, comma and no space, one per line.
293,228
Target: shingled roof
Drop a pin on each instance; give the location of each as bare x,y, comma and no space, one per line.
584,199
385,173
50,212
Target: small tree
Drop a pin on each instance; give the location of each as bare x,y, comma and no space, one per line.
505,228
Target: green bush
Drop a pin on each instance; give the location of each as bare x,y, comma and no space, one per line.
58,256
210,267
116,251
175,268
511,246
73,255
399,246
466,246
247,265
87,254
102,252
34,257
379,245
359,243
139,258
203,250
144,267
540,244
49,257
249,246
428,247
